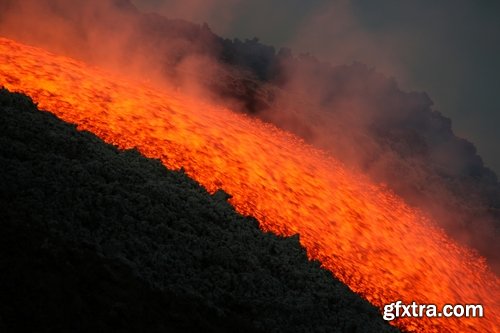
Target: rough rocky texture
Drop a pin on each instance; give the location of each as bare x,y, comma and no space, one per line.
94,239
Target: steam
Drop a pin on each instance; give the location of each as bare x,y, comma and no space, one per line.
114,35
334,32
220,12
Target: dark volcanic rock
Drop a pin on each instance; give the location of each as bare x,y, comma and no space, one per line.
93,239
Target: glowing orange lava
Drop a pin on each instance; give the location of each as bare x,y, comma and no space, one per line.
369,238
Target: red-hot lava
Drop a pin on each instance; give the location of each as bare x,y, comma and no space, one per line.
369,238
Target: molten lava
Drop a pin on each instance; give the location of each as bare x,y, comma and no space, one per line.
369,238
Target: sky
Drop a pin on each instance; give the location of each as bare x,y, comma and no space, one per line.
448,48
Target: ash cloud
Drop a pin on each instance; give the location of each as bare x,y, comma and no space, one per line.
397,138
353,111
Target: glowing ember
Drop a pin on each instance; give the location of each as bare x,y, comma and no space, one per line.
369,238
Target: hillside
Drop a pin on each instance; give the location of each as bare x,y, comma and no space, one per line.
96,239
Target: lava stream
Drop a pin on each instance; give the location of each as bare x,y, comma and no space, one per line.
369,238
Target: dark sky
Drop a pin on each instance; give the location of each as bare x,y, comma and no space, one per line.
448,48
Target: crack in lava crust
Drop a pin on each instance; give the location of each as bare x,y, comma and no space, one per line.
365,235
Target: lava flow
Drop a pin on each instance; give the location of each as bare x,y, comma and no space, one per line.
369,238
